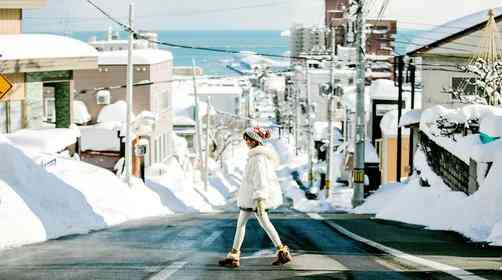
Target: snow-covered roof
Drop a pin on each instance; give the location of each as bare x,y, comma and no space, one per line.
141,57
184,121
40,46
450,29
409,118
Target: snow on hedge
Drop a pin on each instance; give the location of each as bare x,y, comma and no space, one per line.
74,197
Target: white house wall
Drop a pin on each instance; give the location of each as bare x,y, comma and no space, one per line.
434,81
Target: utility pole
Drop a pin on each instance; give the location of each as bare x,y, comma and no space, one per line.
248,106
331,110
297,121
360,141
129,98
400,67
197,118
413,70
206,164
309,125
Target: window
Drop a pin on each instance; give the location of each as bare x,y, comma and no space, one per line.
50,109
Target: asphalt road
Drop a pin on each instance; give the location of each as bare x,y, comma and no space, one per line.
189,246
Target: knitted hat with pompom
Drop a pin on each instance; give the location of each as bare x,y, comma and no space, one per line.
259,134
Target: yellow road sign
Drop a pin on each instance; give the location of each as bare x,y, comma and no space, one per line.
5,86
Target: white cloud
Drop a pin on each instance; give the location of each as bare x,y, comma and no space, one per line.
307,12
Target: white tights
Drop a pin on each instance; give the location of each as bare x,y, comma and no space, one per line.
264,222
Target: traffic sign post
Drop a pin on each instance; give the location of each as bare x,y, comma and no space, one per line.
5,86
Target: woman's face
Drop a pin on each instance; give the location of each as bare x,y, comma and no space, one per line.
250,142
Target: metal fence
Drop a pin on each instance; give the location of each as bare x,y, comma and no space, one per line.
457,174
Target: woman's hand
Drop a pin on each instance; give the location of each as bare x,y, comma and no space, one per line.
260,207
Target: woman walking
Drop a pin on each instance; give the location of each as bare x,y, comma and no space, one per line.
259,192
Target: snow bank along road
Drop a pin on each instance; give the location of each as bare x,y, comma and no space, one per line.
188,247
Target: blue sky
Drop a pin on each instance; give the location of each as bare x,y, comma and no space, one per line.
74,15
164,14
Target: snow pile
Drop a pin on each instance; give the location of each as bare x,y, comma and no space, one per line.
175,189
80,113
461,115
469,146
389,123
339,198
74,198
477,217
50,140
116,112
180,187
410,117
491,124
101,137
321,131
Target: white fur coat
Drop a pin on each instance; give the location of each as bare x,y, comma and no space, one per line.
260,179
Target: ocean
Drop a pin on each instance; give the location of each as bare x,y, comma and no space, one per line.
213,63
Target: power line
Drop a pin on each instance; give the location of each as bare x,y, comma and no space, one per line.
210,49
182,14
145,83
183,46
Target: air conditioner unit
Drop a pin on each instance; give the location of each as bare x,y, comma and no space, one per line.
103,97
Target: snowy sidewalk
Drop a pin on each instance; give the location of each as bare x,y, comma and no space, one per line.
444,247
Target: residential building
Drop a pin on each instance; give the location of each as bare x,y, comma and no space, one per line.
41,68
381,36
448,46
154,68
336,17
307,40
346,78
114,43
226,95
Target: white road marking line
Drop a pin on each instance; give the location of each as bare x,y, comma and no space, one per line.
315,216
215,235
451,270
168,271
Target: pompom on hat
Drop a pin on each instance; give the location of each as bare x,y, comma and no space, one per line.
259,134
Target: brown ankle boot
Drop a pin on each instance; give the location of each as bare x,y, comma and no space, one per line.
231,260
283,256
